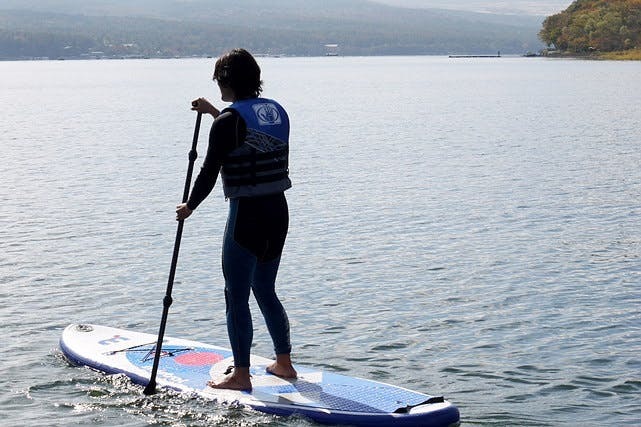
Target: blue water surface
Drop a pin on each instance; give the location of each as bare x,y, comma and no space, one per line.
459,227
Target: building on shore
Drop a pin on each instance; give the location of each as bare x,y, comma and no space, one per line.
331,49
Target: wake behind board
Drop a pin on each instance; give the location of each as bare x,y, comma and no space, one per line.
187,366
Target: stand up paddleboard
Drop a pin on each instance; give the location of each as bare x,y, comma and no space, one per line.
187,366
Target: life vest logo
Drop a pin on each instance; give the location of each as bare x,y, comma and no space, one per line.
267,114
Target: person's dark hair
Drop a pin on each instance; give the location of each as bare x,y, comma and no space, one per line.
238,70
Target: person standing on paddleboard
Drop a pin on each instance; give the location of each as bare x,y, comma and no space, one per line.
249,146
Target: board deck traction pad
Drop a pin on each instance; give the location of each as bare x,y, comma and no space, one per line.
187,366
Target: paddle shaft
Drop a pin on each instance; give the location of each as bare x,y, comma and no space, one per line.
151,386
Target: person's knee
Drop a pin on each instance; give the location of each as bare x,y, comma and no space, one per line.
236,296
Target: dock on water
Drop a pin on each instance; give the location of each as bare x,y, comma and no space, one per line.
498,55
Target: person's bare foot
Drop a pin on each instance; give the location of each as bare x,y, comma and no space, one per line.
238,380
282,367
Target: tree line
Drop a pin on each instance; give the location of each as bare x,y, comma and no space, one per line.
595,25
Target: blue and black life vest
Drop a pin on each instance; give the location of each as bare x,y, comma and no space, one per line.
259,166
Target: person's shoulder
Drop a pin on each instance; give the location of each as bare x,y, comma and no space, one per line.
227,114
228,117
228,124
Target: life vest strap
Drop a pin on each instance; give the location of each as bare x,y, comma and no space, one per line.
254,180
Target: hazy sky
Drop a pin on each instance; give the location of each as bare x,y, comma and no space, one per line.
542,7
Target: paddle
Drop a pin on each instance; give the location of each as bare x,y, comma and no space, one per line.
151,386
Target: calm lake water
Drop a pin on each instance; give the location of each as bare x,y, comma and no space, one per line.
465,227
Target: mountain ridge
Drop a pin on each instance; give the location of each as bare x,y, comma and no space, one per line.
199,27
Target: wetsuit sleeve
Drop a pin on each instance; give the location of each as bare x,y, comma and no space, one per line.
223,138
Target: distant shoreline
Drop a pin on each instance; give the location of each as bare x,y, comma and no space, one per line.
624,55
628,55
259,55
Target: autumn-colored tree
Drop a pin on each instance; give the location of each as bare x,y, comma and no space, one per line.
595,25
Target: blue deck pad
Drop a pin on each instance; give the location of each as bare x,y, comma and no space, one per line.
190,364
355,394
315,393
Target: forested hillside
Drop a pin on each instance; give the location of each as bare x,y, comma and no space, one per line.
165,28
595,25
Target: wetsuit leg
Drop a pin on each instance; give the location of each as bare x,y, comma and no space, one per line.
273,311
239,265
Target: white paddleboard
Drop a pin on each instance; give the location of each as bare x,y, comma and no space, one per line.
187,366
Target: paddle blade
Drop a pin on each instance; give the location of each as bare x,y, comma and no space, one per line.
151,388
